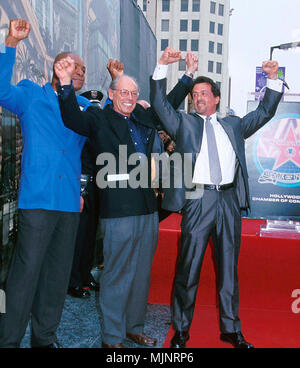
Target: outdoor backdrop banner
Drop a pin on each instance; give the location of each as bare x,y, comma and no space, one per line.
273,159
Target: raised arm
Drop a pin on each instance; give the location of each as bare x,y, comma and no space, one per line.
168,116
13,98
182,88
81,122
267,107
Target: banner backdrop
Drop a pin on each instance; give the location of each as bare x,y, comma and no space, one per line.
273,159
261,81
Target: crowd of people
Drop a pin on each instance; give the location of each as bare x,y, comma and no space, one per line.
61,204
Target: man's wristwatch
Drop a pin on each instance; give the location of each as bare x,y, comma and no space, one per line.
190,74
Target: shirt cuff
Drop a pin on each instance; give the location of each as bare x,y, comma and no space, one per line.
275,84
2,48
160,72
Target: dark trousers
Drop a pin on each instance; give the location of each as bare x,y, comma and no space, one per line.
38,276
216,214
129,247
84,249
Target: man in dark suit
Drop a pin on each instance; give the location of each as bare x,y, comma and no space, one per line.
212,197
128,213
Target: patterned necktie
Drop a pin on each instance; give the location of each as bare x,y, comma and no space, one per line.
214,162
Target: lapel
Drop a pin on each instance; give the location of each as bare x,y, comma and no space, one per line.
197,132
229,131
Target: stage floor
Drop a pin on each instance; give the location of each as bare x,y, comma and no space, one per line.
269,277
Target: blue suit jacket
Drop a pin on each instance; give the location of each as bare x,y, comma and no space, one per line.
51,166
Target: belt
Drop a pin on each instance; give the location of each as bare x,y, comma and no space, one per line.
218,188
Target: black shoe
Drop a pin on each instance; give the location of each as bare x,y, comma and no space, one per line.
93,285
236,339
79,292
179,339
54,345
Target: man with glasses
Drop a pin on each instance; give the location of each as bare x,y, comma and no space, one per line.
128,214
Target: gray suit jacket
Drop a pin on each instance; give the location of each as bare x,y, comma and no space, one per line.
187,132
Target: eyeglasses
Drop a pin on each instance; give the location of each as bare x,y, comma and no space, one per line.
125,93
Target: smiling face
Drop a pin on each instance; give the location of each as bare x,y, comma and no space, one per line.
124,96
78,77
205,102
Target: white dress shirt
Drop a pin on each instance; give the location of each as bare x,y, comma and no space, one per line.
225,151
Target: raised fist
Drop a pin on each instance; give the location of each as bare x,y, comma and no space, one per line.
270,67
169,56
191,62
115,68
18,30
64,69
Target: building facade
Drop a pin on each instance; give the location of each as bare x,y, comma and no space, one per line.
200,26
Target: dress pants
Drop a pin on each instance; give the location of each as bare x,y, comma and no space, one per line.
85,240
216,214
129,244
38,276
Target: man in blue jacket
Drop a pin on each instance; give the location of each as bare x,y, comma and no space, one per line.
49,201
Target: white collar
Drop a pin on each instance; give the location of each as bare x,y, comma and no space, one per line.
213,116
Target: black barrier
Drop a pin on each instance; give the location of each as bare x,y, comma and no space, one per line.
138,46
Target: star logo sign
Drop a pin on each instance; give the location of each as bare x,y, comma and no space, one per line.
286,148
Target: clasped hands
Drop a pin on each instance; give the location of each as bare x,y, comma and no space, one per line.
170,56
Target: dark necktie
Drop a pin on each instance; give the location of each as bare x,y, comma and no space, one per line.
214,162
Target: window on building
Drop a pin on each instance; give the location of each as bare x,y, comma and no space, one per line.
165,25
221,10
164,43
184,5
210,66
219,68
212,7
194,45
183,25
219,48
211,47
182,65
211,27
196,6
165,5
219,85
182,45
220,29
195,25
144,5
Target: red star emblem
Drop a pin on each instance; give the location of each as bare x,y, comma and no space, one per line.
286,148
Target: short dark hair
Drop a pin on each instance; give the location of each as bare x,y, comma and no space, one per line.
214,87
